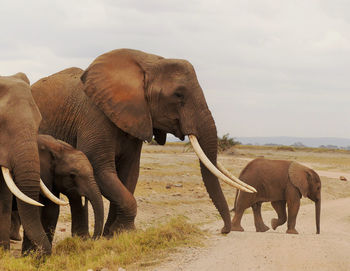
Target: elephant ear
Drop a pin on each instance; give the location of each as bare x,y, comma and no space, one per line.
115,82
298,175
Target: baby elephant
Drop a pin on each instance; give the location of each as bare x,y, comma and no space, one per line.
64,170
280,182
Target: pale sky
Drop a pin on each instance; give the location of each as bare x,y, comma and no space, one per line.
267,68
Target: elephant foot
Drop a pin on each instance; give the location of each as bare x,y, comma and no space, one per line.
292,231
5,245
82,234
118,227
236,228
262,228
226,229
274,223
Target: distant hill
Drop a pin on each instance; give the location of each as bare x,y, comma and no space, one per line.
306,141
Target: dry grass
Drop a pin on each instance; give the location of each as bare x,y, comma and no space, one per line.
142,246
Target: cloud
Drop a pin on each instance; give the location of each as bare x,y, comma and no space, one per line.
276,65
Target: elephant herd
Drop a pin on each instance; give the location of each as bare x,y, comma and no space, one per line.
80,133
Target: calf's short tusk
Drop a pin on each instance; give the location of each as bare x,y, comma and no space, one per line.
83,201
201,155
14,189
51,196
232,177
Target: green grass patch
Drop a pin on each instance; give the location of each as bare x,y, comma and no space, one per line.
135,249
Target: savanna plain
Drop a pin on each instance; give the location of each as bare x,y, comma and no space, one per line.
178,228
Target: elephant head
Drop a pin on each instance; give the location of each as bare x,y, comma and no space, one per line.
308,183
19,122
145,95
68,171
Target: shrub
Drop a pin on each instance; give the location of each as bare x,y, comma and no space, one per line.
285,148
226,142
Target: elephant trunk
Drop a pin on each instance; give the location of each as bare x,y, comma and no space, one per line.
26,172
207,137
94,196
318,214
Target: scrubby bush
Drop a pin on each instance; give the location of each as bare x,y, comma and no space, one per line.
285,148
226,142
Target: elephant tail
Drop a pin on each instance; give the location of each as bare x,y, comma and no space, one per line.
235,204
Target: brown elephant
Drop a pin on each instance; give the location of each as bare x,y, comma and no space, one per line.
68,171
19,123
122,99
280,182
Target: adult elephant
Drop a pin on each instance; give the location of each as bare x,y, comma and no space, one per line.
68,171
19,123
281,182
122,99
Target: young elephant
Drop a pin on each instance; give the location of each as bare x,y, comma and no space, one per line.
68,171
280,182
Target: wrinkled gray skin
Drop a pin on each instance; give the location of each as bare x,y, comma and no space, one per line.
68,171
19,122
123,98
282,183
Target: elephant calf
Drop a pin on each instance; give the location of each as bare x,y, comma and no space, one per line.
68,171
280,182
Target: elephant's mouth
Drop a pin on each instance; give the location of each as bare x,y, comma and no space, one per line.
177,131
180,135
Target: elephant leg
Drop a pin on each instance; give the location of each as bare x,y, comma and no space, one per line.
258,221
280,208
80,218
27,245
243,202
100,150
5,214
128,168
15,226
49,217
124,211
293,203
236,221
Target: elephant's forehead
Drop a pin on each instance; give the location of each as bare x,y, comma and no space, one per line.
76,159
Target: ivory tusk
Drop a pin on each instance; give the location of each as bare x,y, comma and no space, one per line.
14,189
51,196
83,201
201,155
232,177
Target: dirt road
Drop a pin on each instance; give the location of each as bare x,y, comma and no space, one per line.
275,250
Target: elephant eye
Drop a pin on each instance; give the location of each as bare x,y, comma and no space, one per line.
72,176
179,95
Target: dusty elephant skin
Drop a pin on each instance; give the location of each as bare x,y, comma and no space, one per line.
122,99
68,171
282,183
19,122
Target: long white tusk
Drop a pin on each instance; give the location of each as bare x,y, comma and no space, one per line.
232,177
201,155
14,189
51,196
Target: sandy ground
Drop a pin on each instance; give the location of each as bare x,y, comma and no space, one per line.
276,250
170,185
